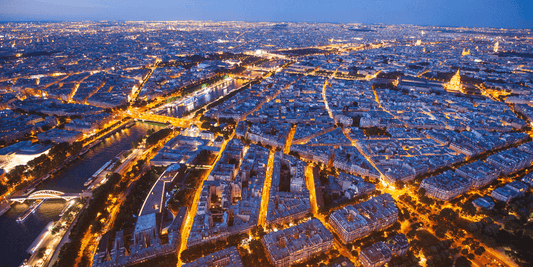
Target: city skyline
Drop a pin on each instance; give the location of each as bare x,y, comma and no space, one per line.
203,143
471,13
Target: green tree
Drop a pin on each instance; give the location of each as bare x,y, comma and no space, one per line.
206,125
399,184
15,174
469,208
40,252
440,231
447,215
421,192
463,262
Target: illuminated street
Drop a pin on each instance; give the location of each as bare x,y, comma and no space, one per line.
266,190
311,185
192,212
197,143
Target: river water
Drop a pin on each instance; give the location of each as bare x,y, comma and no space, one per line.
191,103
15,238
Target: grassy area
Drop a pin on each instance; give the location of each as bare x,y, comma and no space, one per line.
134,200
185,194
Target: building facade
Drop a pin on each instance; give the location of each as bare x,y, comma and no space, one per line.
357,221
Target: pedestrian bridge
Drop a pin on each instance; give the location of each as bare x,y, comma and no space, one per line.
50,194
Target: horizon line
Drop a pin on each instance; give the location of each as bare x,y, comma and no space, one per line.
273,21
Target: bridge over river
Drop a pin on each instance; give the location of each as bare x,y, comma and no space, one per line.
50,194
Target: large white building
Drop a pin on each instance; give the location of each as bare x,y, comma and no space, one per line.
20,154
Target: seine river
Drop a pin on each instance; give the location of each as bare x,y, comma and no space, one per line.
203,99
15,238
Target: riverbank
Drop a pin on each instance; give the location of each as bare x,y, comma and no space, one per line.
48,242
69,180
36,182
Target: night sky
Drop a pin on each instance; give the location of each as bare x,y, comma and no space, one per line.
470,13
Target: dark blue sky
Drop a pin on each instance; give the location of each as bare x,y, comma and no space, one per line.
472,13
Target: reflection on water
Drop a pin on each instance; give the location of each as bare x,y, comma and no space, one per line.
178,111
15,238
